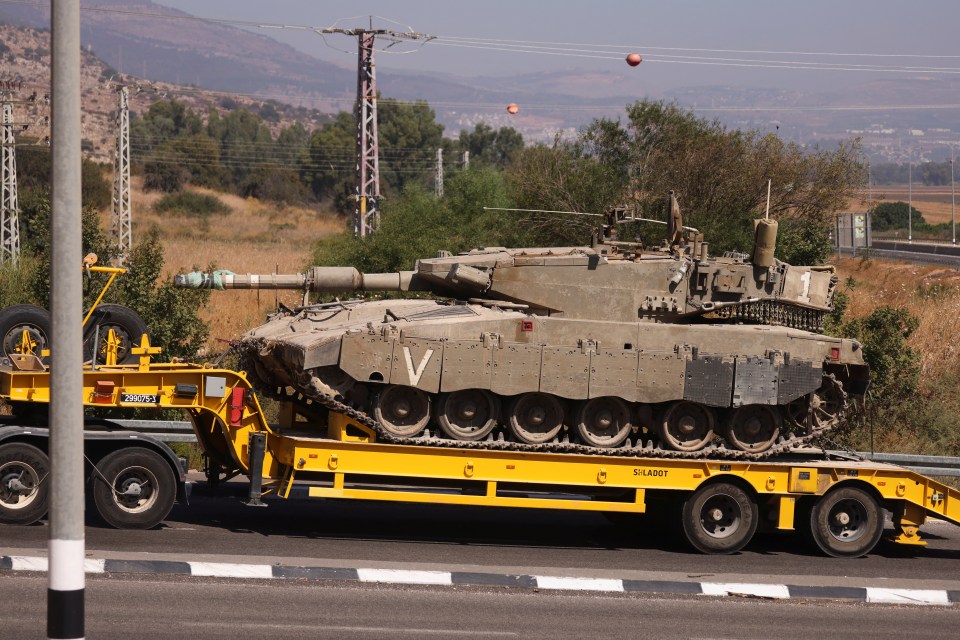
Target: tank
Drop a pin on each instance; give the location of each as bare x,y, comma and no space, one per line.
611,347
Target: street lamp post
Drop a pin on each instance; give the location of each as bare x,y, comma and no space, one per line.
953,201
910,202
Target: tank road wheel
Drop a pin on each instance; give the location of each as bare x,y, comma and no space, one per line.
535,417
846,523
23,483
687,426
753,428
821,409
128,329
470,414
134,488
604,422
25,329
403,411
719,518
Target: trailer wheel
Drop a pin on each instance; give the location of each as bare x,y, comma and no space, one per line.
25,329
846,523
134,488
23,483
126,324
719,518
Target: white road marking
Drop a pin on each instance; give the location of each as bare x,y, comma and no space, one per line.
745,589
907,596
229,570
404,576
579,584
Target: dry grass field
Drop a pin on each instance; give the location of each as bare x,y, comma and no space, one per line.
933,202
256,237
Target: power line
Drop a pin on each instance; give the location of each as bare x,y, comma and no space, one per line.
595,51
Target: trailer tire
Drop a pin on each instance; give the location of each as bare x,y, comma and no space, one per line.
28,467
126,323
29,318
719,518
846,523
134,488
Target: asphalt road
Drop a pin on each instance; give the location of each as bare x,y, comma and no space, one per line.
178,608
375,534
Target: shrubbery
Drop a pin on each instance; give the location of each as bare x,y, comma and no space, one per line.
192,205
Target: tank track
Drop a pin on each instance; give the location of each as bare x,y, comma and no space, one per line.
307,391
774,313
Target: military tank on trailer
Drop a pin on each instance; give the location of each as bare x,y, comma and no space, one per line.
609,347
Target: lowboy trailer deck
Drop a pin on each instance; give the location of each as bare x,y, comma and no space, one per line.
835,500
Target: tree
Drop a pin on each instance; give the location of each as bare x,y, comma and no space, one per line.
487,146
409,139
894,215
331,159
719,175
416,225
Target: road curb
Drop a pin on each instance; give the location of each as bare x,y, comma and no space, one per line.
886,594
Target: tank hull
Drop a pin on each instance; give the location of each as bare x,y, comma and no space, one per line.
356,351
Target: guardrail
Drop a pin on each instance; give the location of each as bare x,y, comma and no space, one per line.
181,431
927,465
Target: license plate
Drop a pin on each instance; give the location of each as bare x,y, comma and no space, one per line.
140,398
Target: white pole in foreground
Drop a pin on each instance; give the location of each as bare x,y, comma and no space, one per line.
65,593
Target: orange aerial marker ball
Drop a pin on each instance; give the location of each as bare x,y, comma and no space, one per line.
512,108
633,59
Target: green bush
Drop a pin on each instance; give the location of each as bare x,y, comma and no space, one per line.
191,204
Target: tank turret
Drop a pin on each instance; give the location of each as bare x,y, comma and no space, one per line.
662,351
609,280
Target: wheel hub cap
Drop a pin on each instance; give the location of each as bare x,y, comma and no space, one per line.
536,416
468,411
686,425
401,408
604,419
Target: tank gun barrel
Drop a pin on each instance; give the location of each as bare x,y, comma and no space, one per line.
316,279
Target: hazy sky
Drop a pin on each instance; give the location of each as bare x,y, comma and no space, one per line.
921,27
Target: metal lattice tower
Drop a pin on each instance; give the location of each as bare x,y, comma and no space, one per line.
366,215
10,224
438,179
120,221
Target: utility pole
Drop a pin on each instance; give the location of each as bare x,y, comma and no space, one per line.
466,160
10,208
120,221
366,215
66,546
438,179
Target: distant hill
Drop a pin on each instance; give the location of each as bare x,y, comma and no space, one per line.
225,58
25,58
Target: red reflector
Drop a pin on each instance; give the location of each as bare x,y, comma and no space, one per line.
103,392
236,406
526,325
834,353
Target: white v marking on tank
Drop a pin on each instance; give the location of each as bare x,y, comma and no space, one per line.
416,374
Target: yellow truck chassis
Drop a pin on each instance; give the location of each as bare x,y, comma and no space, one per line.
835,500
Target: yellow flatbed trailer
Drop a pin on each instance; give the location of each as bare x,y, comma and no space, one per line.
838,502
